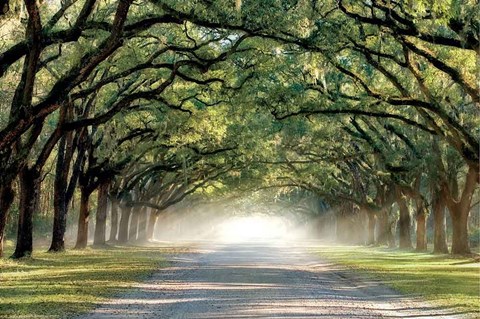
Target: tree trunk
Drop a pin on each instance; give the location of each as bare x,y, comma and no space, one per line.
405,241
460,244
114,219
391,238
142,224
6,199
421,219
358,227
83,219
459,211
29,200
440,245
421,232
123,227
60,192
60,208
152,220
60,204
384,228
371,228
101,216
133,229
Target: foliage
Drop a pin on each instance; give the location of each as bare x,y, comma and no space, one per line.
167,99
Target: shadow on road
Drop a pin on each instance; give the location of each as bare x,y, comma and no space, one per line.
263,280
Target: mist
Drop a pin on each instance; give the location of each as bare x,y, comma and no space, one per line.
228,224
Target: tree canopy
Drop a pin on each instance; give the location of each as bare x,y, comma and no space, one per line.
368,107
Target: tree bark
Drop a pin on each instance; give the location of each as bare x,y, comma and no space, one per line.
459,212
83,219
460,244
440,245
142,224
60,205
421,218
372,220
114,219
101,216
404,221
421,244
63,190
133,228
29,200
6,199
59,223
152,220
123,227
22,100
391,238
383,228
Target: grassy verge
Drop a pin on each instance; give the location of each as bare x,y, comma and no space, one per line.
447,281
60,285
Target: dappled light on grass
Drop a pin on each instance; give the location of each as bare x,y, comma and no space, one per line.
440,278
56,285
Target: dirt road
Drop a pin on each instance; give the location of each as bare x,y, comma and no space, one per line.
262,280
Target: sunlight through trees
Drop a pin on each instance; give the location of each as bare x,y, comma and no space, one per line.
356,116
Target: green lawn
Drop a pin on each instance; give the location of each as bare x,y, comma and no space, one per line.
444,280
59,285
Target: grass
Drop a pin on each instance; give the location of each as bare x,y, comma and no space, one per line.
441,279
63,284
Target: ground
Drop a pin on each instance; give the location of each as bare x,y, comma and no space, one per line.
59,285
451,281
248,280
263,280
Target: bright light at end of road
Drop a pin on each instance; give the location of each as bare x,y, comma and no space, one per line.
253,228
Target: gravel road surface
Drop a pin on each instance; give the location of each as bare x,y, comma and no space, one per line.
262,280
